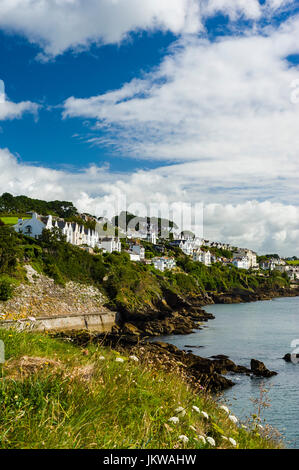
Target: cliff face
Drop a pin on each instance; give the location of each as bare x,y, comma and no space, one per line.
41,297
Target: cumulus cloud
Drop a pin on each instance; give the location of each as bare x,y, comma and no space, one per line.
265,226
10,110
59,25
224,107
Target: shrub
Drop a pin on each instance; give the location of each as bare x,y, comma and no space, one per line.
6,289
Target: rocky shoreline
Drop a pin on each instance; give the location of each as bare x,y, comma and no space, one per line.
181,316
132,333
201,373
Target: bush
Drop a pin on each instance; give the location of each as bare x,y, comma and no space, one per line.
6,289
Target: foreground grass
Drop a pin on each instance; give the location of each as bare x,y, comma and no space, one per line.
60,396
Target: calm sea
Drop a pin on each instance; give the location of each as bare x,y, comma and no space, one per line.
264,331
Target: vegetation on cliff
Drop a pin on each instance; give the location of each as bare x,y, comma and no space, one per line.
56,395
130,287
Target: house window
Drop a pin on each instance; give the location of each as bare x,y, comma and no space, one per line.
28,229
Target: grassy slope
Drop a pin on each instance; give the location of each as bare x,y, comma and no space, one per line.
118,405
9,220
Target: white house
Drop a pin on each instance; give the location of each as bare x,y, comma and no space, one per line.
32,227
164,263
134,256
139,250
241,263
293,273
202,257
272,264
110,244
251,255
74,233
190,244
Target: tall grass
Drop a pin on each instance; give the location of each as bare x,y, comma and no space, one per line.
77,398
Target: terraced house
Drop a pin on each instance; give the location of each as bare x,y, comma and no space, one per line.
75,234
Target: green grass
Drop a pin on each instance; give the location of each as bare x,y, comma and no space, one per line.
293,262
118,405
11,220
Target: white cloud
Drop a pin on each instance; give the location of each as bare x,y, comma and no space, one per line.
10,110
273,5
248,8
265,226
223,107
57,25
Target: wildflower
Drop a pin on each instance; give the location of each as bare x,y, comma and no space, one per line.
243,426
119,359
31,318
260,426
101,358
205,415
174,419
134,358
224,408
224,437
183,438
233,419
195,408
202,438
180,410
232,441
211,441
192,428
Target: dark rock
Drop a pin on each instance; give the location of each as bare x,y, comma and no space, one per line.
288,358
220,356
259,369
131,329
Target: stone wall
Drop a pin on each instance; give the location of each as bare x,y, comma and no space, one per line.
41,304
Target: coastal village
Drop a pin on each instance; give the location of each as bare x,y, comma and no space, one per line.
198,249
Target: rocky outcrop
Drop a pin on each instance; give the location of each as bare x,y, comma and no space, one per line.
243,295
199,371
259,369
288,357
178,323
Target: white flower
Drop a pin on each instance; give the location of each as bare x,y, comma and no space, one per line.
205,415
232,441
192,428
211,441
260,426
174,420
119,359
180,410
224,437
233,418
32,318
243,426
183,438
224,408
195,408
101,358
202,438
134,358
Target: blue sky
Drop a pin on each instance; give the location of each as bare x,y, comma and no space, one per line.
90,73
181,100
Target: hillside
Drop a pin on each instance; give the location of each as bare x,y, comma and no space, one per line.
136,290
56,395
